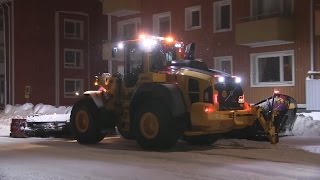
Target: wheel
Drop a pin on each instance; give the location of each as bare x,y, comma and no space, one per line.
124,133
84,122
154,126
202,139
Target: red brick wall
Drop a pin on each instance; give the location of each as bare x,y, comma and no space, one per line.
35,46
34,51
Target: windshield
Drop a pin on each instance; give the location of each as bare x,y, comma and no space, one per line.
161,55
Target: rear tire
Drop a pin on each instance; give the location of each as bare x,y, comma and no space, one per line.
154,126
84,122
207,139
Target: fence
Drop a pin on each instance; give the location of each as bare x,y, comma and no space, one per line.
313,90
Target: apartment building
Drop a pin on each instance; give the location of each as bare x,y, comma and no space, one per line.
271,44
49,50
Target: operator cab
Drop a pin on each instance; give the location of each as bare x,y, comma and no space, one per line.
148,54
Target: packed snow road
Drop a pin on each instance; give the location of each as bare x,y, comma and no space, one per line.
117,158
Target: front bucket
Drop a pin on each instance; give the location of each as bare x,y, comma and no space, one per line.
285,107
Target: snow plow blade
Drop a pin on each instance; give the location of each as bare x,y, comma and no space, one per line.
276,115
285,108
39,126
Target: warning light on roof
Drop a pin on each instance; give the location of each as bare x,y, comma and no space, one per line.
169,39
149,43
142,36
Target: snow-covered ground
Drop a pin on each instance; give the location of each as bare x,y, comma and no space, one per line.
306,124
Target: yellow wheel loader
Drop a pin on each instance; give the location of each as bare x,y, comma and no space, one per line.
165,95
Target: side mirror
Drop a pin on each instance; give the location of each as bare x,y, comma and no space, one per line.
189,52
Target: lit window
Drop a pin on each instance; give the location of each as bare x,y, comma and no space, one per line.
193,18
73,58
222,16
73,29
270,8
73,87
129,29
272,69
162,24
223,64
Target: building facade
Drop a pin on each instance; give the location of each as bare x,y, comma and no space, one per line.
50,50
271,44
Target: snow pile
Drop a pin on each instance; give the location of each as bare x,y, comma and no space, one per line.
313,149
37,113
49,109
307,124
18,111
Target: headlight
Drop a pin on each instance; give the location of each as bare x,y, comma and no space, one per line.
120,45
238,80
221,79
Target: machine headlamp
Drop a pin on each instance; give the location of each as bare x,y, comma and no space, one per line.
238,80
221,79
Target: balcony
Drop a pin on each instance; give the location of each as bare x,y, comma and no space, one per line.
265,32
121,8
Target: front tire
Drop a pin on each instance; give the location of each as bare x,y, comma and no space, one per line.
155,128
84,122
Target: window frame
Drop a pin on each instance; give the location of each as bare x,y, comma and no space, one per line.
121,24
217,15
193,91
72,94
81,53
156,22
188,17
254,66
74,34
219,59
